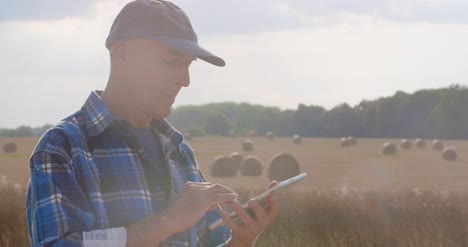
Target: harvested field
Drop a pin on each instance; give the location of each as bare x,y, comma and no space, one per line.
327,164
352,197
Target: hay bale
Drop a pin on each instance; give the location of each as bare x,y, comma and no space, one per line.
406,144
283,166
10,148
252,134
187,136
236,159
437,145
223,167
420,143
248,146
344,142
297,139
232,134
450,154
251,166
389,148
351,141
270,135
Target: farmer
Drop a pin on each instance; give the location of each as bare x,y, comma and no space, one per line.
116,173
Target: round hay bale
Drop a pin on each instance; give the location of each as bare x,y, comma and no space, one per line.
450,154
351,141
344,142
420,143
270,135
389,149
406,144
437,145
10,148
248,146
251,166
283,166
252,134
297,139
232,134
187,136
223,167
236,159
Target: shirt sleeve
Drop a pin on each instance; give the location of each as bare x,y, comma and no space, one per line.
57,208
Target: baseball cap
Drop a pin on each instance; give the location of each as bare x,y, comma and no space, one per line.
162,21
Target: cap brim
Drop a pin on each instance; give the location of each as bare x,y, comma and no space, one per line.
191,48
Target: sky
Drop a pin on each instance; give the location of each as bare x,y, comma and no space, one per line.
278,53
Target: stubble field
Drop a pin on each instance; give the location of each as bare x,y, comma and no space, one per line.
353,196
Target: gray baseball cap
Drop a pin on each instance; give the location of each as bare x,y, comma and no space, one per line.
162,21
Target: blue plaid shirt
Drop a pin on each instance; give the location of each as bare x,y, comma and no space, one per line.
89,173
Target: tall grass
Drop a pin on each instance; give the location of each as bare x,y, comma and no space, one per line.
323,218
370,218
13,230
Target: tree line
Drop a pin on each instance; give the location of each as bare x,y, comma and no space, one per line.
436,113
24,131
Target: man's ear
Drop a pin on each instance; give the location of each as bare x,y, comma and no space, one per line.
119,52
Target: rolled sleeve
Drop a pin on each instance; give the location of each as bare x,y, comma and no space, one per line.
57,211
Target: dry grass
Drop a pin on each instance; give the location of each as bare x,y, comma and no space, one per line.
13,231
352,197
344,217
370,218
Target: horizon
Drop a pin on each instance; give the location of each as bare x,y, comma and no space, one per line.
278,53
263,105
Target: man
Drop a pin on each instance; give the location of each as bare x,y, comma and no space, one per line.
115,173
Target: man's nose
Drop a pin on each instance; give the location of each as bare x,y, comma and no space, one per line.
184,78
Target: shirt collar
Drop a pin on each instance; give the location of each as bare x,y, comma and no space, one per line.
96,116
169,136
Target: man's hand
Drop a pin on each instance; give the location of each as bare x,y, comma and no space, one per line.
195,200
189,207
246,233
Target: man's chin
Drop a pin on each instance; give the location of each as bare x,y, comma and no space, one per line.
163,114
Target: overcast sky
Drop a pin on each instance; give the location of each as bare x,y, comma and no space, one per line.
278,53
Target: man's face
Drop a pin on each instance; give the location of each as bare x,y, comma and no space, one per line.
155,74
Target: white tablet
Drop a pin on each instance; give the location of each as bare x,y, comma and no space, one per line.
260,198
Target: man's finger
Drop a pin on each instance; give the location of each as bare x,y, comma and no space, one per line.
221,197
229,222
218,188
272,209
199,184
257,209
214,207
241,213
272,184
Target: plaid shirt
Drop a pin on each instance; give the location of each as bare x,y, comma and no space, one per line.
87,174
